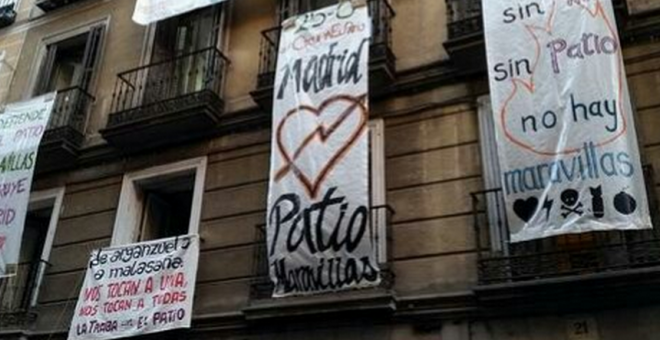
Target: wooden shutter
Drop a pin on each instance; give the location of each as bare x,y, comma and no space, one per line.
46,71
91,56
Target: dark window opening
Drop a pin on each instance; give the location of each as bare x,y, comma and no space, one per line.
290,8
187,33
167,205
17,292
71,62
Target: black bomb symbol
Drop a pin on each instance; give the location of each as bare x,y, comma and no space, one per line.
571,205
625,203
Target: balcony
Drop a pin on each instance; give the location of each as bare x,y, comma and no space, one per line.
381,64
167,102
7,12
465,40
51,5
66,130
566,272
18,295
378,300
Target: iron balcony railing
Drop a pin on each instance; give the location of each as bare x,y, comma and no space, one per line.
500,261
380,223
18,293
70,110
168,80
464,18
381,13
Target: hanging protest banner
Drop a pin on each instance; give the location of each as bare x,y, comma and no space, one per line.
137,289
21,127
566,137
150,11
319,235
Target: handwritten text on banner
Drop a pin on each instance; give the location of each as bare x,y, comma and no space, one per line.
566,138
319,236
137,289
21,127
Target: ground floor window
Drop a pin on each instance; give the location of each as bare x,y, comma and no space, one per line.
20,292
160,202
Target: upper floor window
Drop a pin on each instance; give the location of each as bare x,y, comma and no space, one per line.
290,8
70,62
7,12
187,33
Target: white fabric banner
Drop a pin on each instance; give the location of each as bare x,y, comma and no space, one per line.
150,11
319,235
137,289
21,127
564,124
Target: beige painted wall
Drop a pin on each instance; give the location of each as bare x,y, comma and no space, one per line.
432,150
419,31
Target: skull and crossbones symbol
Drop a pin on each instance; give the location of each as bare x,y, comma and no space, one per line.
570,204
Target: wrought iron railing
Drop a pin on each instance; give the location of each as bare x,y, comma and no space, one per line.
503,262
188,74
18,293
70,110
464,18
380,224
381,13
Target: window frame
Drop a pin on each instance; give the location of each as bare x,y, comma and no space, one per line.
127,225
42,53
378,186
222,41
55,195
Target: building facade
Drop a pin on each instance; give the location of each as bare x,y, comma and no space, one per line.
165,130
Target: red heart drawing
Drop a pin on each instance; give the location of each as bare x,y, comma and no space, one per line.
312,185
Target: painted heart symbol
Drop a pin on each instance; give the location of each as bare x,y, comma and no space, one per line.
525,209
321,133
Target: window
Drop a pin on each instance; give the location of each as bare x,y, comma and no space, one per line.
491,170
160,202
569,253
187,33
19,293
70,62
167,206
183,53
377,185
290,8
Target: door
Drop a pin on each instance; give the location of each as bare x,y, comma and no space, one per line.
182,54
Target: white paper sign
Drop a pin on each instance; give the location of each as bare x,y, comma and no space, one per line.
319,235
137,289
21,127
566,136
150,11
